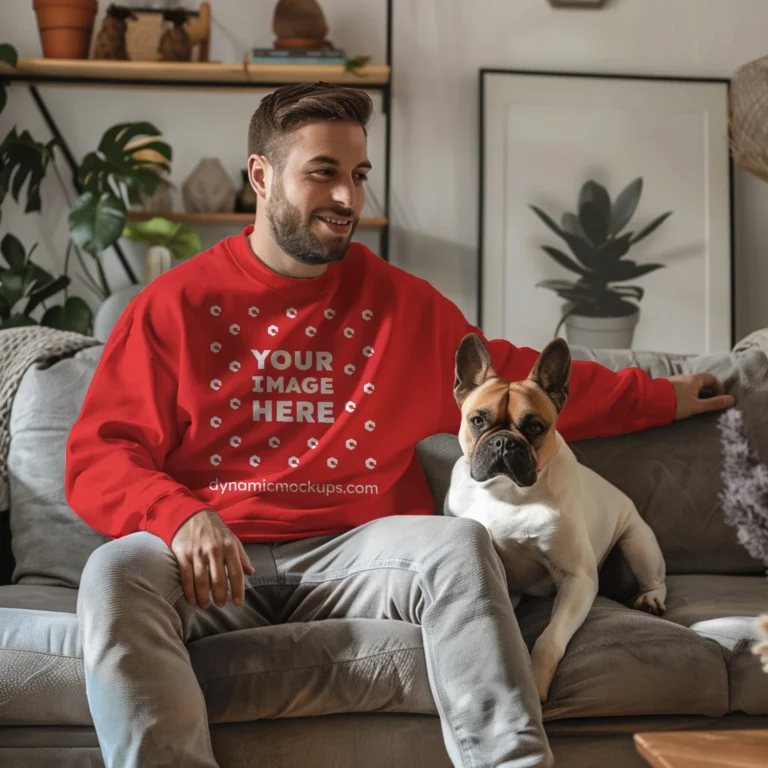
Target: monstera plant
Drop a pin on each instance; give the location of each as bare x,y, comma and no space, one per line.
128,165
598,240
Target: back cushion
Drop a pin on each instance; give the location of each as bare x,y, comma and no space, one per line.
674,473
50,543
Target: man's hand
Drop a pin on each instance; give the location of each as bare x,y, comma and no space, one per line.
203,547
687,390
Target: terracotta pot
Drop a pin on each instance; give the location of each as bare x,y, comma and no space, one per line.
65,27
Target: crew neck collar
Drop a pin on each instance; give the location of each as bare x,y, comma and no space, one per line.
253,266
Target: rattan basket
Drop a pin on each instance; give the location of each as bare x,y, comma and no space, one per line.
749,117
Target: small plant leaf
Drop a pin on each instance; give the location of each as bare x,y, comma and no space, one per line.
644,269
629,270
595,198
612,250
625,205
75,315
630,290
593,222
657,222
181,240
570,223
23,159
16,321
95,223
564,260
548,220
12,287
13,252
45,291
122,158
8,55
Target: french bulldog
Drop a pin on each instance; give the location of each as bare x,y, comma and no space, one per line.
552,520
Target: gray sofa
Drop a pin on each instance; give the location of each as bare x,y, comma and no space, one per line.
355,693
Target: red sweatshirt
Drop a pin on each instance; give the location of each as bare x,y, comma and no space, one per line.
292,407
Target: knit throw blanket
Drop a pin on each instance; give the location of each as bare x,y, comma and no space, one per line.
20,348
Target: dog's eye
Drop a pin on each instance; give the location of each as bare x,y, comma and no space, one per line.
477,421
535,429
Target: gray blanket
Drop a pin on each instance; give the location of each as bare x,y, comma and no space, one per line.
20,348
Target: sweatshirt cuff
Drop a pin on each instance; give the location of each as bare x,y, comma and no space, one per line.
661,402
170,512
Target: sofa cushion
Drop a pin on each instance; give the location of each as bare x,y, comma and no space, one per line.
723,609
289,670
313,668
41,660
50,543
626,662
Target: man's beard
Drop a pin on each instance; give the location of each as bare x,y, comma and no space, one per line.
296,238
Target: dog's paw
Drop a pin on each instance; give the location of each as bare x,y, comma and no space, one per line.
652,601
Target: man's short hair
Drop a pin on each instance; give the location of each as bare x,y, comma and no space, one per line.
289,106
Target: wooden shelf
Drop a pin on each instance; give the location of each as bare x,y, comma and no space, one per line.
366,222
186,74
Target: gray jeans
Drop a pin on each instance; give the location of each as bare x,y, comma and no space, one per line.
440,573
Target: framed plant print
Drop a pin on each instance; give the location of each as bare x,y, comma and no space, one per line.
606,211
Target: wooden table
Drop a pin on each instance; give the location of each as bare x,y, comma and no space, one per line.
704,749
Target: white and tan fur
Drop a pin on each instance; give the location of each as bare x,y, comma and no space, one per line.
553,521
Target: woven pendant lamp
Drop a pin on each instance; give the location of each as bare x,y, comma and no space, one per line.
749,117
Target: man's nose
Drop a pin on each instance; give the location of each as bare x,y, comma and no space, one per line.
344,194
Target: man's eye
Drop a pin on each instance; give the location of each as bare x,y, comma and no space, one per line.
362,176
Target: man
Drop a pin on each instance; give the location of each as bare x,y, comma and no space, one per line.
252,422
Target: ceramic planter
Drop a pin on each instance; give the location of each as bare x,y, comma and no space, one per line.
65,27
602,332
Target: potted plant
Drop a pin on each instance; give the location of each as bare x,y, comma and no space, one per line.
25,285
168,241
128,166
597,313
65,27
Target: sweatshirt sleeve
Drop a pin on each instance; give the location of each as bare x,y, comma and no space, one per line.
126,427
602,402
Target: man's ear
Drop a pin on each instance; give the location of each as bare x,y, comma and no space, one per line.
260,175
552,371
473,366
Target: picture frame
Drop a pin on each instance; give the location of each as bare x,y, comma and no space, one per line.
566,159
589,4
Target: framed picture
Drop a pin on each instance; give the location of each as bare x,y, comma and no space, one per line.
577,3
606,211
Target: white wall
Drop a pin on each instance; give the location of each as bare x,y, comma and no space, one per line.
439,46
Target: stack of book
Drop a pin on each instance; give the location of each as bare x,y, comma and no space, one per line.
296,56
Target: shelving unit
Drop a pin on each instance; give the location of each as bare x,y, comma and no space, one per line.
205,76
188,74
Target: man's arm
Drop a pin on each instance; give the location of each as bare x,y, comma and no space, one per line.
117,447
602,402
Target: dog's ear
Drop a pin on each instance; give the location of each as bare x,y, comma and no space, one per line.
473,367
552,371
